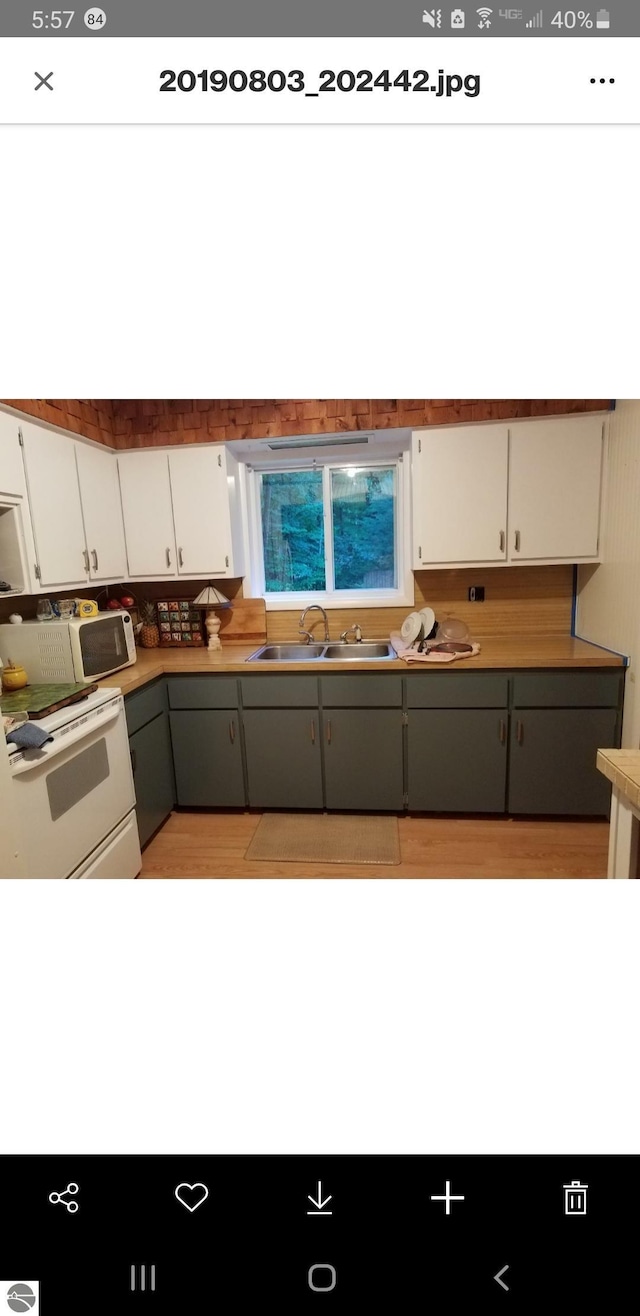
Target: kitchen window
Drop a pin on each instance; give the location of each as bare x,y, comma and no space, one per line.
332,532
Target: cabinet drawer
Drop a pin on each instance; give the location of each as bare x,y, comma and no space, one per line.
359,690
143,705
203,691
457,690
567,689
279,691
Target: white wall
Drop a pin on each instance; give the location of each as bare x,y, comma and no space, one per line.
608,606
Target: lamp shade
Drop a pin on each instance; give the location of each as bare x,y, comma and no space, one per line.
210,597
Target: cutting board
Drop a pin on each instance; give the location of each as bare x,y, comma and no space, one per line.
244,623
39,700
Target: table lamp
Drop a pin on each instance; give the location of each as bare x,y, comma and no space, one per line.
210,598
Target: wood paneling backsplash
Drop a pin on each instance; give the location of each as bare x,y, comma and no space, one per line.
147,422
518,601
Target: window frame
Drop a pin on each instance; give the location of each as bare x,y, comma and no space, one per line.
402,595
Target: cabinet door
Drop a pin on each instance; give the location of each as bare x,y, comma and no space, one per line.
457,760
552,765
363,758
54,501
283,758
554,489
459,479
201,511
207,757
11,468
102,513
150,749
148,516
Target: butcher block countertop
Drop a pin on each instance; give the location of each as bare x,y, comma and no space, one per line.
622,767
541,651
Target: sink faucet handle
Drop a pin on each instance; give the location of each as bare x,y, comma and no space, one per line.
356,632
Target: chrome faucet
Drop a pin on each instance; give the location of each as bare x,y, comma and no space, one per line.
356,631
311,608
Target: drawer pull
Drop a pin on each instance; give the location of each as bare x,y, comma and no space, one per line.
502,541
95,559
329,731
502,730
232,731
85,554
313,731
168,553
180,558
517,541
519,732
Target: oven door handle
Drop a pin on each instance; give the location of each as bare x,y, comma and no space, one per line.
49,752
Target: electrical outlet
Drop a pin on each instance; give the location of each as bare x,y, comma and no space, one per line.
476,594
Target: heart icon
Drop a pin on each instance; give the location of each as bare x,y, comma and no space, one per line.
192,1195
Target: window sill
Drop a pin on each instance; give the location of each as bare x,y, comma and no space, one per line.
344,599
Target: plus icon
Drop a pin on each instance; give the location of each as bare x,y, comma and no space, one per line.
447,1197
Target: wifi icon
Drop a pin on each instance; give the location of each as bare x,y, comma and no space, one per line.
484,15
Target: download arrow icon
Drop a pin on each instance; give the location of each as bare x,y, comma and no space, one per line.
319,1202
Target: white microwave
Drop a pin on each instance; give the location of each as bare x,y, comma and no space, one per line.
75,650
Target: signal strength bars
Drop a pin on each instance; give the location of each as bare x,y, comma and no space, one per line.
536,21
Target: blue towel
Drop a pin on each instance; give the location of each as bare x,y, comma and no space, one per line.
28,736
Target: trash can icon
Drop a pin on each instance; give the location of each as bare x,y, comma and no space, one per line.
575,1198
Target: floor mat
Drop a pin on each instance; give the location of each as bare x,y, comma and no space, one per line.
326,838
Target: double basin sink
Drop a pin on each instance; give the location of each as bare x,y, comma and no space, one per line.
325,653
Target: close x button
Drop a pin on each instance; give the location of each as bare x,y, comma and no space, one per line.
43,80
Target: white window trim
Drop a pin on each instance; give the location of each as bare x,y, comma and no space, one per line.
403,595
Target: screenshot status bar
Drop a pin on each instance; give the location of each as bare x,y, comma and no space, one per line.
303,18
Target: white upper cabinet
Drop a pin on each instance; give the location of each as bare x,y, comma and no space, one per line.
181,514
54,503
11,468
200,491
148,514
459,478
102,512
527,491
555,474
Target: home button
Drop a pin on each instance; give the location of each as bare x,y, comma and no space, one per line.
322,1278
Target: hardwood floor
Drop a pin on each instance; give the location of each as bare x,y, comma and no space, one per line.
213,845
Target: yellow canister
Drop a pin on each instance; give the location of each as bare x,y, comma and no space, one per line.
14,677
86,608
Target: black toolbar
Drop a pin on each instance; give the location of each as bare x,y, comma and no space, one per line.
396,1233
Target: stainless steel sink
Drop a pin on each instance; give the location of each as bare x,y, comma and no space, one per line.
304,653
357,652
287,653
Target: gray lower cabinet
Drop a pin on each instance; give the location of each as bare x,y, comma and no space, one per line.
284,760
207,756
553,760
150,750
457,759
363,761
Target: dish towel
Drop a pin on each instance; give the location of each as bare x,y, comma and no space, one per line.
28,736
412,655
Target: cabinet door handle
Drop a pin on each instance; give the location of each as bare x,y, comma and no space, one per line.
232,731
313,731
517,541
502,731
168,552
502,541
329,731
519,732
180,558
85,554
95,559
134,760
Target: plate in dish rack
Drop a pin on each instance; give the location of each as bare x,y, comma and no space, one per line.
412,628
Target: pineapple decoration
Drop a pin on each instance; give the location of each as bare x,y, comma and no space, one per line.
149,634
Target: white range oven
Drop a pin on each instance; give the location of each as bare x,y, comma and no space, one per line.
73,800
